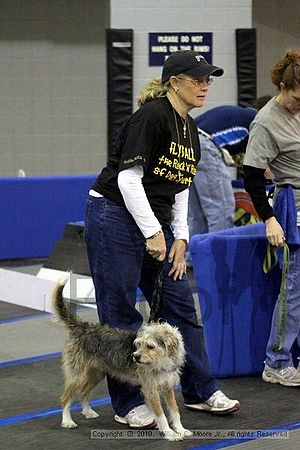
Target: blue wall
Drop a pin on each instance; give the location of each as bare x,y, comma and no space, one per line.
35,210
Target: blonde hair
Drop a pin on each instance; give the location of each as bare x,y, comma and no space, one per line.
287,70
154,89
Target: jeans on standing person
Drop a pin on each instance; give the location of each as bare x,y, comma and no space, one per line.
283,358
119,265
211,199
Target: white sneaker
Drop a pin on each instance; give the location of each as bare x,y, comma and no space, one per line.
217,403
139,417
288,376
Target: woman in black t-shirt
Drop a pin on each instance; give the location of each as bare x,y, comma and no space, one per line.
136,219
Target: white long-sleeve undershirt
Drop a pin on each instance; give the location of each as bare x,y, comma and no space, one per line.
133,192
180,214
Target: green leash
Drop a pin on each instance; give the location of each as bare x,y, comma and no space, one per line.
268,265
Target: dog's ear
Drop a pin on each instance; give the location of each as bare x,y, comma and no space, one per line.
171,342
136,342
161,342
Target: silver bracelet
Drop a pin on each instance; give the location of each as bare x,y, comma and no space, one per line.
155,235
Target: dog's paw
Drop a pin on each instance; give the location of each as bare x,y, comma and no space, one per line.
69,424
90,414
182,431
173,436
185,433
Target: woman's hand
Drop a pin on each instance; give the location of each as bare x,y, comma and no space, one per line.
274,232
156,247
176,257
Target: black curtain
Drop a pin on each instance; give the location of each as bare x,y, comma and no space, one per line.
246,65
119,58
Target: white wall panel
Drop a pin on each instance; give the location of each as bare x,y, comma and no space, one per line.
53,86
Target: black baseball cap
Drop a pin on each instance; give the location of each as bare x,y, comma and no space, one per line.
188,62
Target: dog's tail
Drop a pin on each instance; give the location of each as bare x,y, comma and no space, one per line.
60,308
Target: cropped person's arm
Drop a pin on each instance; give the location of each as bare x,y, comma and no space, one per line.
255,185
181,235
254,182
261,150
179,216
134,195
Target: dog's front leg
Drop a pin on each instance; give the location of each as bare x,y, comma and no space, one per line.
154,402
174,414
87,411
67,421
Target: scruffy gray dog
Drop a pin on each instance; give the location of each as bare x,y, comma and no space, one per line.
151,357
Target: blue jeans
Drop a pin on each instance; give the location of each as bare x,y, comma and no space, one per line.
211,199
283,358
119,265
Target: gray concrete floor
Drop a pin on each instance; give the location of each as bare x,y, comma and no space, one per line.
38,334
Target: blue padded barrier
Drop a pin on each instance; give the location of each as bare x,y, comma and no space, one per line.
256,229
35,210
236,297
